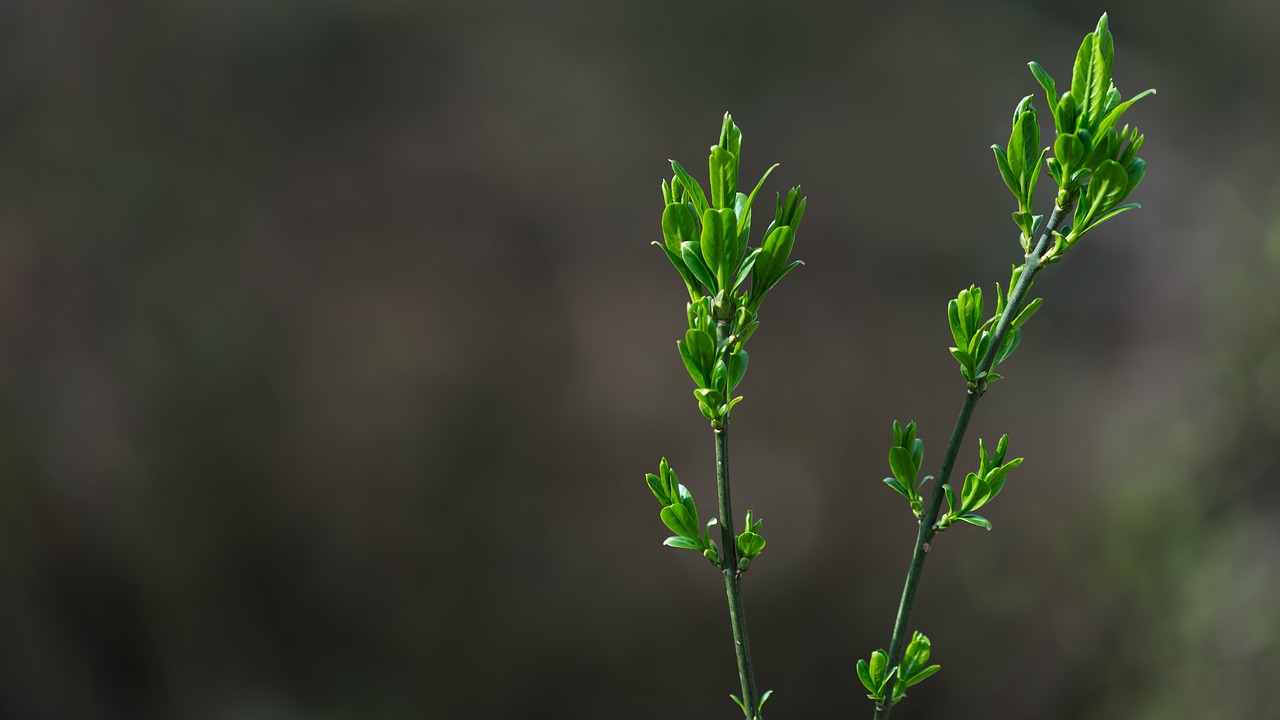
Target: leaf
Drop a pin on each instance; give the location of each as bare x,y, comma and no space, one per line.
1046,82
1081,75
691,188
678,226
677,518
1113,117
879,662
715,237
684,543
691,282
691,365
917,453
978,520
745,269
900,463
778,244
1113,213
751,199
691,253
737,368
923,675
764,699
702,348
723,167
1006,173
864,674
891,482
740,704
1008,345
965,360
1027,312
657,487
1106,188
750,544
957,325
1069,151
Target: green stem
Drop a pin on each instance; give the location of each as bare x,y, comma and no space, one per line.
729,561
928,521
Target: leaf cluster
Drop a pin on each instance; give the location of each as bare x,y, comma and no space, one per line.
876,673
905,459
680,514
707,240
980,487
972,333
1091,161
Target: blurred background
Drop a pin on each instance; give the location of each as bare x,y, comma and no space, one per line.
333,353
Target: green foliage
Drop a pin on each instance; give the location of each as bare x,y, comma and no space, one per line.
980,487
707,241
1089,155
905,459
1096,168
974,336
680,514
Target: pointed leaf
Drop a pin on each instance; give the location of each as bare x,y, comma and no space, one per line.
973,519
900,463
684,543
692,189
1046,82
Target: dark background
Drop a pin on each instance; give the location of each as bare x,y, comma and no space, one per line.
333,353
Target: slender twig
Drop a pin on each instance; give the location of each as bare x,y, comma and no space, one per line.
928,521
729,560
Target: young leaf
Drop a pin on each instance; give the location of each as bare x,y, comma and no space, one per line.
692,189
864,674
691,253
658,488
685,543
1046,82
678,519
1027,312
903,469
923,674
976,520
891,482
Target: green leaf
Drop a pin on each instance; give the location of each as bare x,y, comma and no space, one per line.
740,704
702,348
691,364
951,496
967,365
879,663
778,245
1008,345
1046,82
744,270
764,699
1069,151
1113,117
1107,216
678,226
1082,75
691,253
690,282
900,463
715,236
1027,312
891,482
677,518
864,674
691,188
737,367
750,544
751,199
1106,188
958,332
723,167
923,675
1006,172
657,487
917,453
684,543
978,520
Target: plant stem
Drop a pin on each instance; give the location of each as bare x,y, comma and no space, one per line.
729,561
928,521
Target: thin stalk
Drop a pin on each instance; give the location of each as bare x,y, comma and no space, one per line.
732,578
928,521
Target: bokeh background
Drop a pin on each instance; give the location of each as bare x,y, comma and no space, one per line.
333,353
